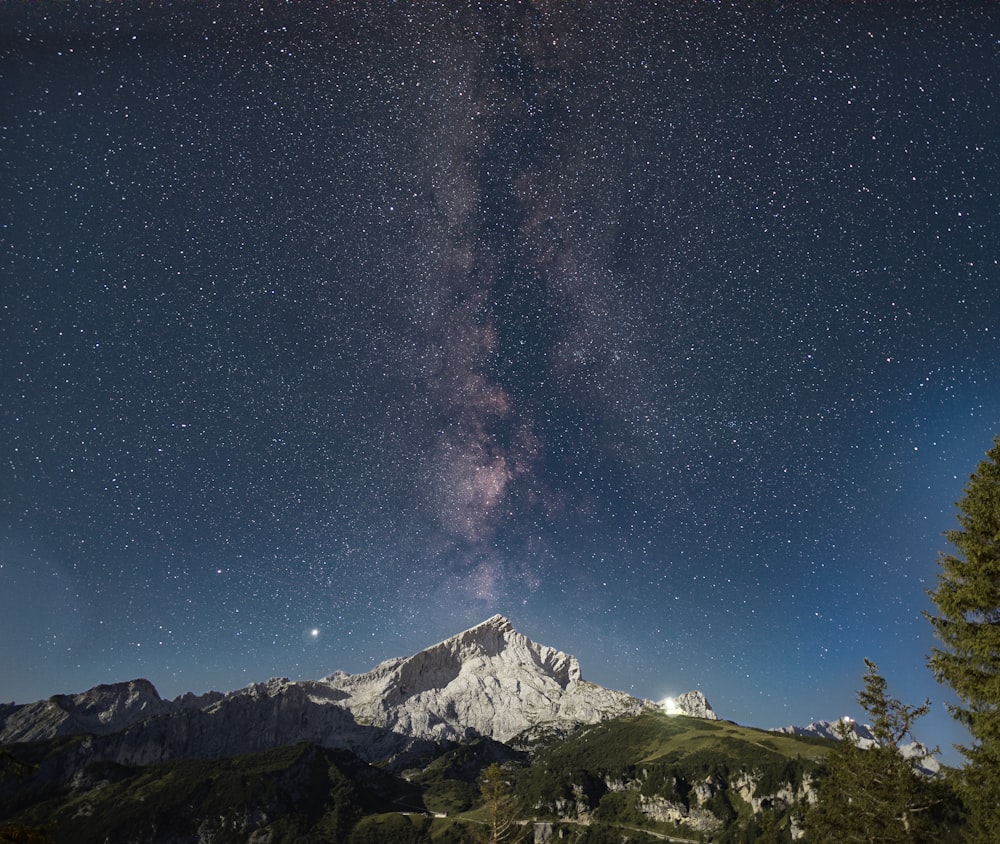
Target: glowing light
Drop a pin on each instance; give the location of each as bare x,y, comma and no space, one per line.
314,632
669,705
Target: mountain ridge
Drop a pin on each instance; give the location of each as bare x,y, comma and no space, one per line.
489,680
864,738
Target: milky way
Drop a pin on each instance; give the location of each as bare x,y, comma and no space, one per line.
668,331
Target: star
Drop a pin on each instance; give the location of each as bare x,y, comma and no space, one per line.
613,319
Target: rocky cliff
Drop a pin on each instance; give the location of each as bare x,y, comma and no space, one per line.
696,705
98,711
489,680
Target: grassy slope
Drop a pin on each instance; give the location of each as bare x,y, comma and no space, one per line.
658,756
654,737
306,793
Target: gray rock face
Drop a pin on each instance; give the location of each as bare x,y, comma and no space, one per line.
487,681
98,711
669,812
696,705
863,735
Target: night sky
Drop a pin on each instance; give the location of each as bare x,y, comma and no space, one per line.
668,330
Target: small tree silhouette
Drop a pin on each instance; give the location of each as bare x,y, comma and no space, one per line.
502,825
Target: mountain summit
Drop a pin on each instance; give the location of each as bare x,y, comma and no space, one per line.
486,681
489,680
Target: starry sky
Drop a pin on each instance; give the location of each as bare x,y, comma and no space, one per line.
668,330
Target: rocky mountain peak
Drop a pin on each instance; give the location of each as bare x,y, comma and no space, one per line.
102,709
132,694
493,647
696,705
500,622
488,680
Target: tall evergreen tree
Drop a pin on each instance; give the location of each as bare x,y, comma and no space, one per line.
968,626
876,794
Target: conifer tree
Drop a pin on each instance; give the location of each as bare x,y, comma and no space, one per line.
876,794
968,626
502,826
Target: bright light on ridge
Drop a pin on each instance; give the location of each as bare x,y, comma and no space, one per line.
669,705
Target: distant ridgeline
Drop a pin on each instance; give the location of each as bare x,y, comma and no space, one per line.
397,754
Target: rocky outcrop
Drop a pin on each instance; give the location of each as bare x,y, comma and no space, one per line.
696,705
747,786
670,812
